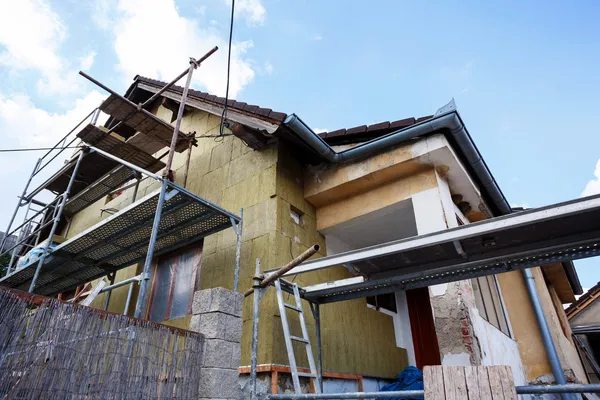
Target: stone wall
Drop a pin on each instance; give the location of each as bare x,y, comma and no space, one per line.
217,314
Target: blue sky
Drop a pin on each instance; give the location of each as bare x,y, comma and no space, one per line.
524,76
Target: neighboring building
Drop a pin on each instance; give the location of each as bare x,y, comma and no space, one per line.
292,200
584,319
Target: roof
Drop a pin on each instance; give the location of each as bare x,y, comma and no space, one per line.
583,301
367,132
342,136
216,100
355,134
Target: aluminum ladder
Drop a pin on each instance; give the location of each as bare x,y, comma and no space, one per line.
289,338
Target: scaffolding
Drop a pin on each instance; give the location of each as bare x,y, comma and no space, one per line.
158,223
517,241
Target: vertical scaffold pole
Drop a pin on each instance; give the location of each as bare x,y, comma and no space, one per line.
144,292
19,204
63,201
238,251
255,315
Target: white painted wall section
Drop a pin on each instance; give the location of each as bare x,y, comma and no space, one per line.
496,347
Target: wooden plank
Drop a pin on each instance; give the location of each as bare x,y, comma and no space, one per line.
472,381
433,381
483,381
455,386
495,383
274,382
508,384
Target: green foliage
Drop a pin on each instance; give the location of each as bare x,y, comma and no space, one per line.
4,260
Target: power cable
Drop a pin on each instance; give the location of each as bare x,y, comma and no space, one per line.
80,146
224,113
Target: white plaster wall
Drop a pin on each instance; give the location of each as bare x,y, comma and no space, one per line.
497,348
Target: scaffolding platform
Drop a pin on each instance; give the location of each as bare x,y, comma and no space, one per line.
122,240
101,188
561,232
152,134
117,146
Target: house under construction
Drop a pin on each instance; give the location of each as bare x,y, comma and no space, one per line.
397,245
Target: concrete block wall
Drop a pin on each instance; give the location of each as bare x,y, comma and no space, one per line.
217,314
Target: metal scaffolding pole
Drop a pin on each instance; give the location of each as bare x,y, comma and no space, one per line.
19,204
255,317
57,216
143,293
238,249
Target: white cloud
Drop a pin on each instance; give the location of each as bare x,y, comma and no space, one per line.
251,10
30,37
85,62
317,37
23,125
320,130
102,12
42,128
268,68
163,53
593,186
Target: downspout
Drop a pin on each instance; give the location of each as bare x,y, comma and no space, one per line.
446,118
553,359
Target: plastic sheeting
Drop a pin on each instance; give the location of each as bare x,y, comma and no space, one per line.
411,378
176,278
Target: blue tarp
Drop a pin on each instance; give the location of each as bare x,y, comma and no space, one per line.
409,379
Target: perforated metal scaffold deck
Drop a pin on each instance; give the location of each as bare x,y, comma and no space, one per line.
122,240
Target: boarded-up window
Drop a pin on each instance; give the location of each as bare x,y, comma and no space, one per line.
176,278
489,304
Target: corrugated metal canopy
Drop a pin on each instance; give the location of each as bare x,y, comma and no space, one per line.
560,232
122,240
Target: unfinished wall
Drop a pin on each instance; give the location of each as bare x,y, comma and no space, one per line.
234,176
355,339
527,334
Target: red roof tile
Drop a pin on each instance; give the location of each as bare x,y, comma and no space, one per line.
204,96
363,133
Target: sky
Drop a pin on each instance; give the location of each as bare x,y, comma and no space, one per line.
524,75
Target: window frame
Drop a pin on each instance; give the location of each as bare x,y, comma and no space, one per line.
176,256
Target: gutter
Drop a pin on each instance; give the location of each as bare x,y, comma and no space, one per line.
447,118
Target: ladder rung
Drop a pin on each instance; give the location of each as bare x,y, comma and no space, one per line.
291,307
299,339
307,374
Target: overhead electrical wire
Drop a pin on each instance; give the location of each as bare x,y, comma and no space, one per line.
224,113
16,149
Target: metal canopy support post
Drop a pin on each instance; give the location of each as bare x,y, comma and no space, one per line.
557,371
238,249
57,216
255,317
314,307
